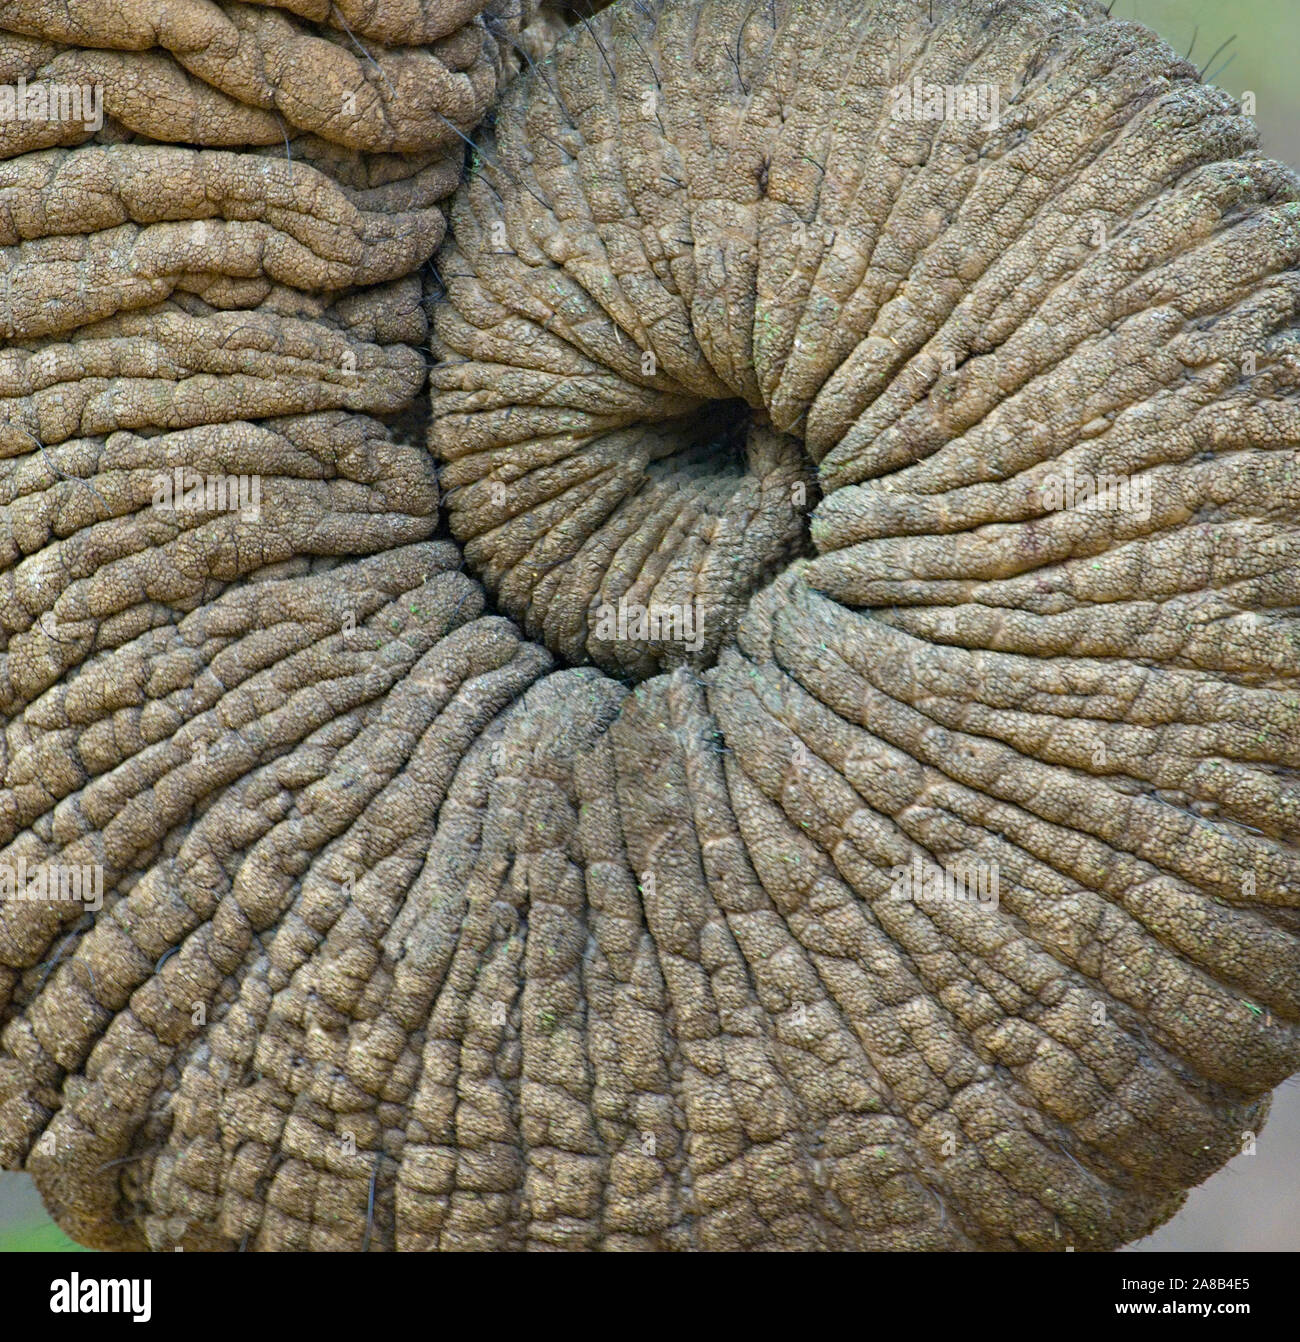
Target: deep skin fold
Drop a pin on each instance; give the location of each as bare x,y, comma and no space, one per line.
495,953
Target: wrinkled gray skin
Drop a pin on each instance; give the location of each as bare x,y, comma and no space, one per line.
439,916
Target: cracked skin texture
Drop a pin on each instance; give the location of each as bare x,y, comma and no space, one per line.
413,938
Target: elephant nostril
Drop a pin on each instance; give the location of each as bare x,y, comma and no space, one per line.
711,443
725,511
641,553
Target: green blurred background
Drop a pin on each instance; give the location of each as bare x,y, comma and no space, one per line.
1253,1202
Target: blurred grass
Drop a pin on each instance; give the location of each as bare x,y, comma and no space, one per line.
1263,38
24,1225
37,1238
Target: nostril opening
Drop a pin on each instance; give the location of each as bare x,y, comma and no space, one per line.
640,550
712,441
722,508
